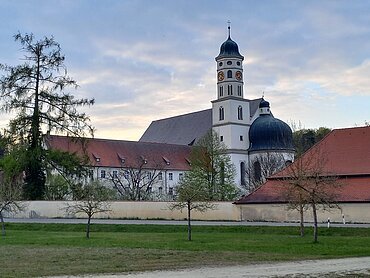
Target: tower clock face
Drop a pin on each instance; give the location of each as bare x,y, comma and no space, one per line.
220,76
238,75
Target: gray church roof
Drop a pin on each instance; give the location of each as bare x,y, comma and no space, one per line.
185,129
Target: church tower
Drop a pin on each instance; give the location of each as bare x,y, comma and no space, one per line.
230,111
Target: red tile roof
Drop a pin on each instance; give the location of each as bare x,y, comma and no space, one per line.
111,153
347,155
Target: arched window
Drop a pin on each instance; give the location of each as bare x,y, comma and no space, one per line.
229,90
239,90
229,74
221,89
222,113
240,113
242,173
257,174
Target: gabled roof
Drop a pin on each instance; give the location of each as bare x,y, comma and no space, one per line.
120,153
347,154
185,129
347,151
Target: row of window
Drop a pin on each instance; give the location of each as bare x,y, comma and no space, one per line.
222,113
103,175
229,63
229,90
241,138
160,190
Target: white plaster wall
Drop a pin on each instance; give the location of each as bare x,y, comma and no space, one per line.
130,210
353,213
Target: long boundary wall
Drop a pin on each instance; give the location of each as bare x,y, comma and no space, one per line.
352,212
130,210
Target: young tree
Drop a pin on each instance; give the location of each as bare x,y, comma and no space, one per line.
211,168
191,196
309,183
35,92
94,199
135,182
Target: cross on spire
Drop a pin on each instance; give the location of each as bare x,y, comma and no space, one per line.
228,26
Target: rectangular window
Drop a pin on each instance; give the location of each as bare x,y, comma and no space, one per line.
115,174
160,190
126,174
181,175
221,89
241,137
160,177
149,189
170,176
170,191
221,138
102,174
239,90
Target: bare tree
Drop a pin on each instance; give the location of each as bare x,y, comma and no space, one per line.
135,182
261,167
94,199
308,182
191,196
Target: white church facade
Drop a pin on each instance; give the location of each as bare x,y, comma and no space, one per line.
246,127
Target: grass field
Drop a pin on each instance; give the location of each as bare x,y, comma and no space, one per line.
31,250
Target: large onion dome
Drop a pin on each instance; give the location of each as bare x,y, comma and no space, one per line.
269,133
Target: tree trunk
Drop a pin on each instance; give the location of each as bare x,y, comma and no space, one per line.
189,223
314,211
3,233
301,222
88,226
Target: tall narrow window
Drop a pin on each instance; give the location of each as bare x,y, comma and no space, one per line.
229,74
240,113
221,90
222,113
257,171
170,176
230,90
242,173
239,90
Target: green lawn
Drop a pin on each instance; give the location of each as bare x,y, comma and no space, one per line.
62,249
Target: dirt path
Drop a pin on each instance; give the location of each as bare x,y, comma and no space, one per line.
359,267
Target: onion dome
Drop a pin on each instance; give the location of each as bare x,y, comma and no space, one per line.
264,104
229,49
269,133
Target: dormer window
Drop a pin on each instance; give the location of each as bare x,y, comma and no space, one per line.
96,157
188,161
144,160
166,160
121,158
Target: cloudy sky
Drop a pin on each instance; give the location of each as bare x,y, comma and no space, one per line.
146,60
